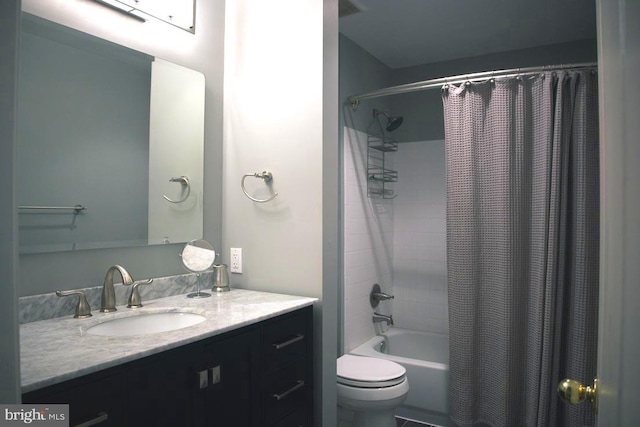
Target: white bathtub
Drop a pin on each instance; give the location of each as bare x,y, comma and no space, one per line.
425,356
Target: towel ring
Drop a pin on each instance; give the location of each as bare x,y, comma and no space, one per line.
184,180
266,176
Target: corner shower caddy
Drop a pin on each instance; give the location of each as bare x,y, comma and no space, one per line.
378,174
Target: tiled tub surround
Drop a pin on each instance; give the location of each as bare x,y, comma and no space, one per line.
59,349
368,243
398,243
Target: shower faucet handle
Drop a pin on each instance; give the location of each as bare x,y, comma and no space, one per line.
377,295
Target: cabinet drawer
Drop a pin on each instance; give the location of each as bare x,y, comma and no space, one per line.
285,341
299,418
285,391
97,401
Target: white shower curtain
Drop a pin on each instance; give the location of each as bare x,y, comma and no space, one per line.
522,246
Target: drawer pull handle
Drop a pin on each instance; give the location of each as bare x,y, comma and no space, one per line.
295,339
102,416
281,396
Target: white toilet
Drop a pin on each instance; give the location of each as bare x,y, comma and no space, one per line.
369,391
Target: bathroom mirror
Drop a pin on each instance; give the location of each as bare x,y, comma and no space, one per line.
198,256
110,144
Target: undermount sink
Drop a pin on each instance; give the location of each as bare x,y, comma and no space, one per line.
143,324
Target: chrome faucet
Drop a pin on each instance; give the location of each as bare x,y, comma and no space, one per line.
377,318
108,292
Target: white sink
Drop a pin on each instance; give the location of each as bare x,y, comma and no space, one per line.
143,324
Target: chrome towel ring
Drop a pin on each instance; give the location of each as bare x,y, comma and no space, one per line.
184,180
266,176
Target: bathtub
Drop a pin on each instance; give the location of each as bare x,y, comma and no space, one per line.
425,356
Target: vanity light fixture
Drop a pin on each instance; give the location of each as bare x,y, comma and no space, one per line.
179,13
122,8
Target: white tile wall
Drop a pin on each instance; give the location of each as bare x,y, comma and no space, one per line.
419,243
399,243
368,245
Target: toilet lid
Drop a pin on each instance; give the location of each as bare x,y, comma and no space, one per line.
369,372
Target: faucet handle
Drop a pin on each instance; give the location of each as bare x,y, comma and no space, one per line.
135,301
83,310
376,295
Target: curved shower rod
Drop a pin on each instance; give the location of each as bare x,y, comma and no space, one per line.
354,100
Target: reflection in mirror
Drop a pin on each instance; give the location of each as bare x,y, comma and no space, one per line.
111,129
198,256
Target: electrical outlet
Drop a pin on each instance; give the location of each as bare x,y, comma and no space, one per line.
236,260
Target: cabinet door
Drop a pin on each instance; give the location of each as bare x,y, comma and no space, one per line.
162,390
233,395
97,401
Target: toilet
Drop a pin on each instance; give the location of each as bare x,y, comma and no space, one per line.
369,391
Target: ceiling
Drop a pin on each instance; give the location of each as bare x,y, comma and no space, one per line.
403,33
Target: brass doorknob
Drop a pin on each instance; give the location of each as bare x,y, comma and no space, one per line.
574,392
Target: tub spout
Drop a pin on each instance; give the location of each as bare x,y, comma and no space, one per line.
377,317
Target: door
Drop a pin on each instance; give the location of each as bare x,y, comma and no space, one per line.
619,336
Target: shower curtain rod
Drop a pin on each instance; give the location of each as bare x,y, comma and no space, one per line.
354,100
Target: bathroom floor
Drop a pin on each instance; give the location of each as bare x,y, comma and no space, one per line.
400,422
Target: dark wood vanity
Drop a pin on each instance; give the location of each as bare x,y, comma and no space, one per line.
256,375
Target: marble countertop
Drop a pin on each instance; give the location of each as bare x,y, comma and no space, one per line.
56,350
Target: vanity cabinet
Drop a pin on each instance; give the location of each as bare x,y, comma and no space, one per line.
256,376
287,366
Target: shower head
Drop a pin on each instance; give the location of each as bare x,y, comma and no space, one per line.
393,123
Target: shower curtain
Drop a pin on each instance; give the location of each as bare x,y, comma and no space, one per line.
522,247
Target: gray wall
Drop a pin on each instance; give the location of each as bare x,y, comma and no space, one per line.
360,72
83,138
280,114
203,51
9,346
331,245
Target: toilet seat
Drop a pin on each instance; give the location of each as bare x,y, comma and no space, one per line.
369,372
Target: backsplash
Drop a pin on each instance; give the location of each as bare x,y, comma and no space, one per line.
47,306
